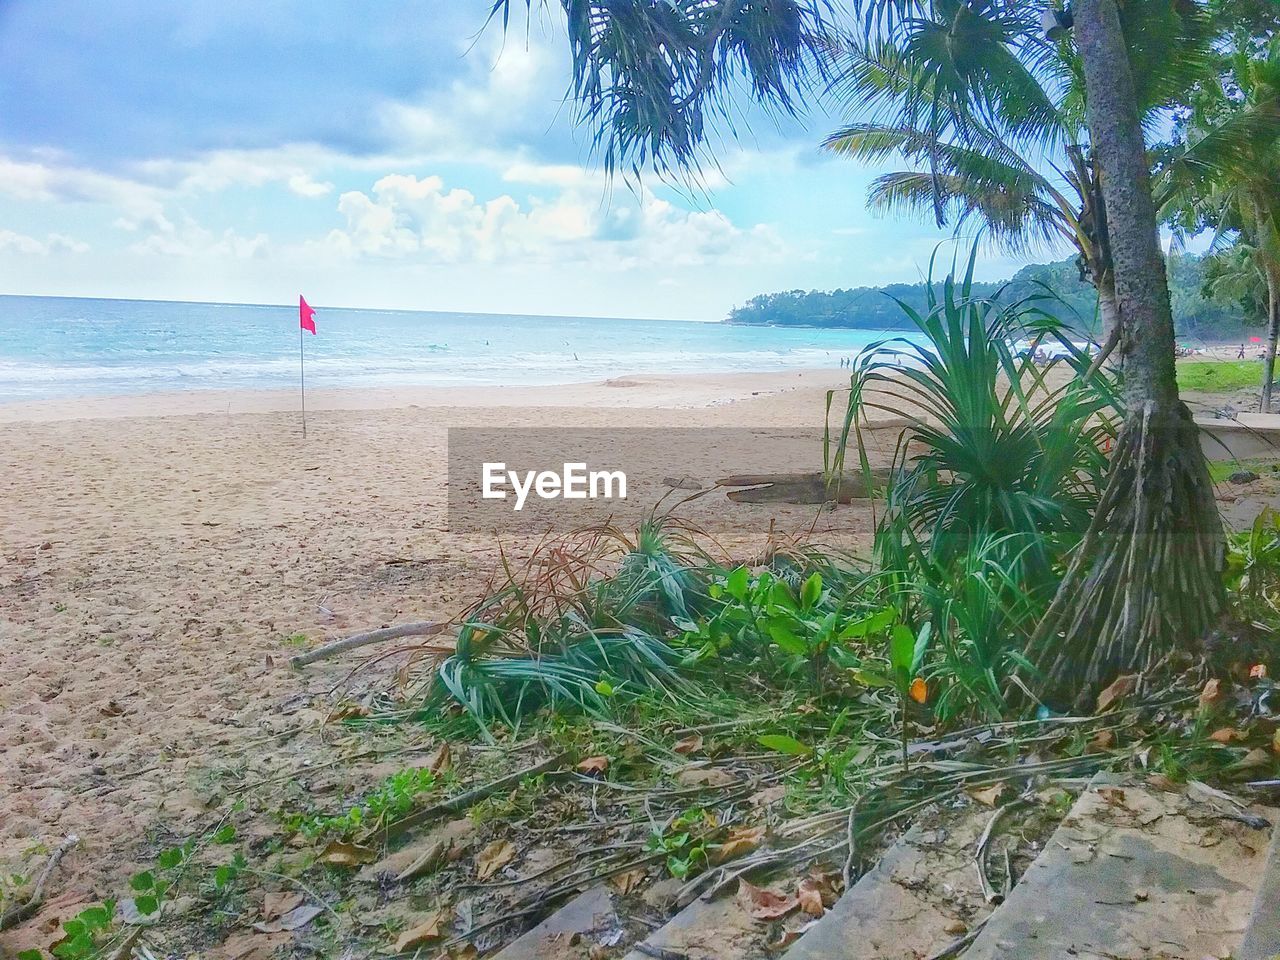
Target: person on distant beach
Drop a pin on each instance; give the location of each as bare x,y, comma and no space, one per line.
1240,355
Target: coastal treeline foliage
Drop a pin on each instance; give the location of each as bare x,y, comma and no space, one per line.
1200,309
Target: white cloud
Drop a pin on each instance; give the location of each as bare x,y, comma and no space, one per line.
59,241
51,181
506,104
554,174
53,243
406,217
293,165
192,241
304,186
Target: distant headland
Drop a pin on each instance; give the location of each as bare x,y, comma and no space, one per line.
876,308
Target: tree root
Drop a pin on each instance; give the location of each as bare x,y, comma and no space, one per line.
421,629
462,801
16,915
1147,578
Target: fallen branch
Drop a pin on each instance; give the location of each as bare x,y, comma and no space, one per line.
466,799
798,487
980,854
426,628
15,915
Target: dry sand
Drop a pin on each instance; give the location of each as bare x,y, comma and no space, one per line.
158,552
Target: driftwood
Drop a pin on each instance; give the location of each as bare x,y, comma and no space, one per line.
801,487
16,915
426,628
462,801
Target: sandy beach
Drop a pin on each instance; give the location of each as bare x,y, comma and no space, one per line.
164,555
160,552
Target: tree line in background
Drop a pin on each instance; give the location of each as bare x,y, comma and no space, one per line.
1206,303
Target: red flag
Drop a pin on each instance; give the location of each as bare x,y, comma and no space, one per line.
306,315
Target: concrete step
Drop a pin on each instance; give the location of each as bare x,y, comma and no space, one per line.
1134,873
1262,936
921,897
585,922
719,929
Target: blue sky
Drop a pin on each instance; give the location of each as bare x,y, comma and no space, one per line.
385,154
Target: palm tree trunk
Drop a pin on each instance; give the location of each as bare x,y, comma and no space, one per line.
1146,580
1273,334
1108,310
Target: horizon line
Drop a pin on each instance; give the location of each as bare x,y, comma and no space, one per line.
292,306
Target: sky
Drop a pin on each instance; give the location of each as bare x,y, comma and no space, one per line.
389,154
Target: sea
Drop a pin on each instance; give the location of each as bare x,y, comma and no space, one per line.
59,347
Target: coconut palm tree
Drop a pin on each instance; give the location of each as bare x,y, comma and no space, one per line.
1231,275
1146,581
1032,182
1020,206
1232,182
1146,578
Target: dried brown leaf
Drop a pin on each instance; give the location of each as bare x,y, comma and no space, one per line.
444,844
593,765
295,919
768,796
699,776
423,931
826,885
689,745
809,896
341,854
763,904
441,760
625,883
275,904
1257,757
1102,741
1113,795
1228,735
250,946
1211,695
493,858
739,841
1120,688
990,796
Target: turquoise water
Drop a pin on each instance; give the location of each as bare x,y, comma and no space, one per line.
62,347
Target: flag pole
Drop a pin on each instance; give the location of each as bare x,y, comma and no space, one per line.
302,379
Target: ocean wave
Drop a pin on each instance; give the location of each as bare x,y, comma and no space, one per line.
55,347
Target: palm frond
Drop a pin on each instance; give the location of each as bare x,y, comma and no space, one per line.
652,78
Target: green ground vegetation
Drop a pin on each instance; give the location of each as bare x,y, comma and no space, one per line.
1216,376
